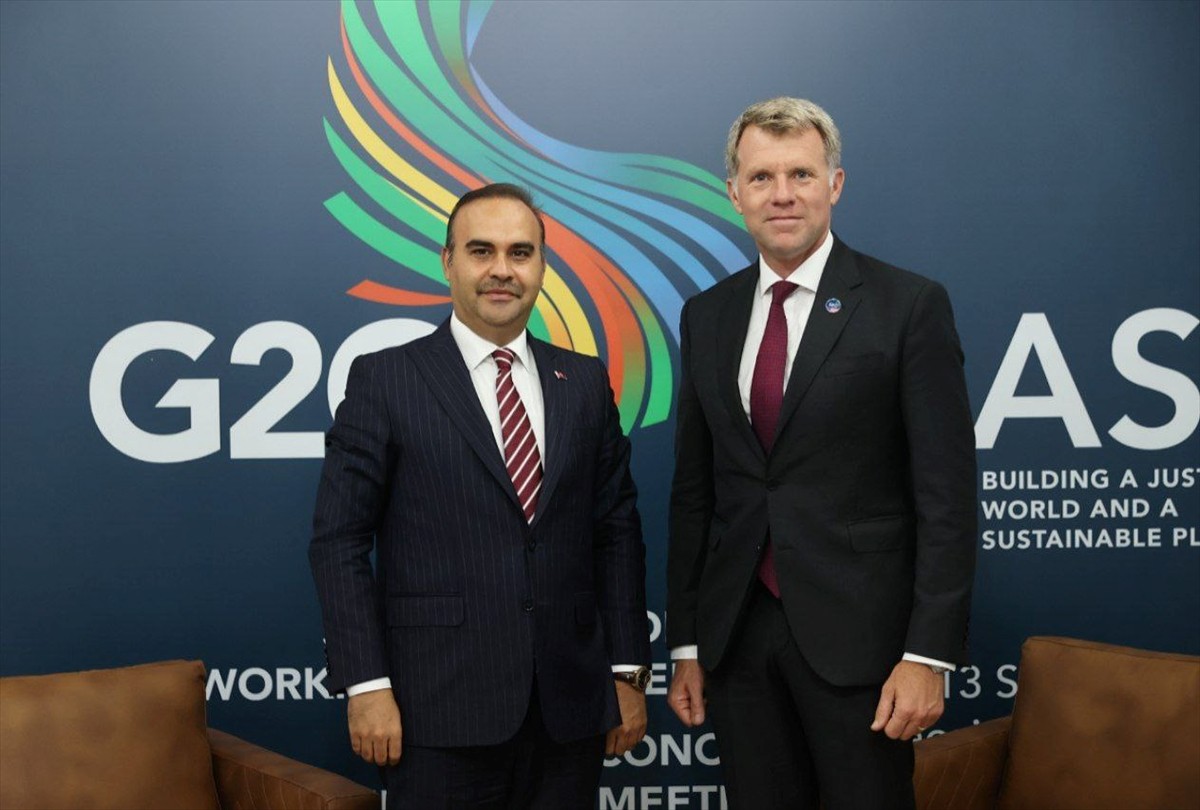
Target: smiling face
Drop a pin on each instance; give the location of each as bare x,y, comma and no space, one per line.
495,267
785,192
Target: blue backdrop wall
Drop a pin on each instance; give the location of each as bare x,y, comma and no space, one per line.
201,200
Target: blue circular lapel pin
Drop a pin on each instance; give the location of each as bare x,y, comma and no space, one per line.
833,306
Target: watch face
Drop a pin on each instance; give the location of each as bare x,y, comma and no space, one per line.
637,678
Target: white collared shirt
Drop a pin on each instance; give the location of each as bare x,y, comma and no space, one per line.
477,354
796,307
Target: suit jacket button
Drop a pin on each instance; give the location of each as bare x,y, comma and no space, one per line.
772,485
531,545
527,605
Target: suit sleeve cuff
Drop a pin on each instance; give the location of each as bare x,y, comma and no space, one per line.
368,686
929,662
686,651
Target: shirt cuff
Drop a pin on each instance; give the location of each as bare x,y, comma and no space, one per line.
693,651
929,662
625,667
368,686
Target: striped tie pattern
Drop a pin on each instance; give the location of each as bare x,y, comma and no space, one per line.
521,455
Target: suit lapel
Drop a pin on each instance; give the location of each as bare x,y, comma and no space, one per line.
446,374
735,320
558,412
840,281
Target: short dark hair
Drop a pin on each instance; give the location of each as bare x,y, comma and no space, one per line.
506,191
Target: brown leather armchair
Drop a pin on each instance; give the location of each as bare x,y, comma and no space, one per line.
1093,726
136,737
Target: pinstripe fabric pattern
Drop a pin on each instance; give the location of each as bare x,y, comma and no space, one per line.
467,599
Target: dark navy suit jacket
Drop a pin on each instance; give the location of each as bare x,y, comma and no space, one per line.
466,601
868,493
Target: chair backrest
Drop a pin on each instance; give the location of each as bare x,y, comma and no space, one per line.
1100,726
109,738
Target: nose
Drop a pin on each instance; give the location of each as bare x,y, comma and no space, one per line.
501,268
782,192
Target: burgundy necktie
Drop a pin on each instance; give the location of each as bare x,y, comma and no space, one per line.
521,455
766,397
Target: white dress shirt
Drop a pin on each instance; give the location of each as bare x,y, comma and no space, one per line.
477,354
797,307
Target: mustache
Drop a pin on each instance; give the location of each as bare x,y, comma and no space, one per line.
509,287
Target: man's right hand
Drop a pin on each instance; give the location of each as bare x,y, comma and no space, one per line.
375,730
686,696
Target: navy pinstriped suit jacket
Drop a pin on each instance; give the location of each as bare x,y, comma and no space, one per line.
466,601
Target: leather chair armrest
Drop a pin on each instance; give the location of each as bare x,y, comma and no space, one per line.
961,770
250,777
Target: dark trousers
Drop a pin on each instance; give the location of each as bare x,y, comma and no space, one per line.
528,772
790,740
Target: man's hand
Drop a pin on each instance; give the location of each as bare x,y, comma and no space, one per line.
633,721
375,730
911,701
686,695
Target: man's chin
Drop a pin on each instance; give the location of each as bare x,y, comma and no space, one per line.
500,318
791,250
502,310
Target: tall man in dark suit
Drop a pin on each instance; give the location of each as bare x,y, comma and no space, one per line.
823,506
503,629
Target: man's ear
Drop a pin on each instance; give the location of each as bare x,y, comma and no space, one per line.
839,180
732,190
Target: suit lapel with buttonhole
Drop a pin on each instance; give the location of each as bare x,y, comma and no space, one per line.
556,404
446,374
736,313
841,280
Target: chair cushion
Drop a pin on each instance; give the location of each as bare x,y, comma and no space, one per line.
110,738
1100,726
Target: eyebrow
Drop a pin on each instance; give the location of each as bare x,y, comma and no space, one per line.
486,244
792,168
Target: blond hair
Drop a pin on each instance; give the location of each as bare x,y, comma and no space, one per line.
780,116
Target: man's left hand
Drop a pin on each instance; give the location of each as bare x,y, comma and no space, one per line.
911,701
633,721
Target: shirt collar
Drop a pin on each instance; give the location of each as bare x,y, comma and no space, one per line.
476,349
807,275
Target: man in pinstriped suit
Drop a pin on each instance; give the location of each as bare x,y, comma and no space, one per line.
498,647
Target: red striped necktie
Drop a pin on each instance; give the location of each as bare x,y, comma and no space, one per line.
766,398
521,455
